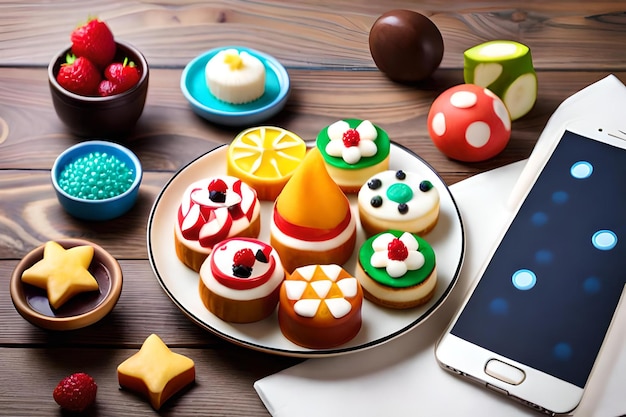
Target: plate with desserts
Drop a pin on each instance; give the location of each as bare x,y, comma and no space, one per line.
235,85
307,249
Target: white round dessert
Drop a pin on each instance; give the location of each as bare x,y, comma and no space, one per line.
235,77
398,200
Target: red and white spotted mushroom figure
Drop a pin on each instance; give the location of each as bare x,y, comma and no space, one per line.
469,123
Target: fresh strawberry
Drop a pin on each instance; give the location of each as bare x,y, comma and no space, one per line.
79,75
119,77
75,392
94,40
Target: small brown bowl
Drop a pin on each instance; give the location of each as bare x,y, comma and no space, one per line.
103,117
81,310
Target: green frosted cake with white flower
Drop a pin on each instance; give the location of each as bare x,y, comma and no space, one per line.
397,269
353,151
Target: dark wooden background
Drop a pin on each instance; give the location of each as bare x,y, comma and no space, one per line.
324,46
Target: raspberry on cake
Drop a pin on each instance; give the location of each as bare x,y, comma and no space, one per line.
211,210
240,280
320,306
235,77
397,269
353,151
312,222
398,200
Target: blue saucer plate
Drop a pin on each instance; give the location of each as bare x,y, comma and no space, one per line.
203,103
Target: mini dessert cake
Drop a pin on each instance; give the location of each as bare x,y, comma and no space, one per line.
63,273
312,222
353,151
398,200
397,269
212,210
240,280
265,158
156,372
235,77
320,306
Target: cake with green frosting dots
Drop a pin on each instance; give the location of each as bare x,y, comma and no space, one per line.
353,150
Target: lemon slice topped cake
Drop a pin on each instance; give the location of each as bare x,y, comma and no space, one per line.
265,157
235,77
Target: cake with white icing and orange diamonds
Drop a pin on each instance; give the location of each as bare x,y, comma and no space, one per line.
398,200
240,280
211,210
353,151
312,222
320,306
397,269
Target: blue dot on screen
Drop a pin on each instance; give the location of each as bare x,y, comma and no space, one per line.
499,306
560,197
604,239
543,256
563,351
539,218
592,285
524,279
581,170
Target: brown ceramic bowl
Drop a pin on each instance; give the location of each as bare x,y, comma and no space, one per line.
113,116
81,310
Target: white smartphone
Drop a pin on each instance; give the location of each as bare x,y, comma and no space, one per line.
535,321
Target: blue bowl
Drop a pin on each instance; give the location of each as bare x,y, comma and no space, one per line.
103,209
204,104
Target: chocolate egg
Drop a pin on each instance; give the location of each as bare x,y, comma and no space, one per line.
406,45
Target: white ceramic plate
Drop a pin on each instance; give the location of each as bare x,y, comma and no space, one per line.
379,324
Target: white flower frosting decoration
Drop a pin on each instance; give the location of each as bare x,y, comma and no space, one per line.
396,255
351,144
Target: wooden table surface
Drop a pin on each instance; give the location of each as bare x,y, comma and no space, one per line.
324,46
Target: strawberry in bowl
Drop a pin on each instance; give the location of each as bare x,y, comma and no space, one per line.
98,84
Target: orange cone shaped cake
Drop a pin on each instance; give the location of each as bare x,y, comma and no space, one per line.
312,222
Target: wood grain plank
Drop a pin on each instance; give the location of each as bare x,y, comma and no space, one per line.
319,34
34,372
31,215
143,308
169,135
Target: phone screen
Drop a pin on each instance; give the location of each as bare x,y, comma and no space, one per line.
547,297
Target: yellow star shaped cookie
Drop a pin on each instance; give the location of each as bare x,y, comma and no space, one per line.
63,273
156,372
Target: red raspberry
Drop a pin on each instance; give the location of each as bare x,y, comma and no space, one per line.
397,250
351,137
244,257
75,392
218,185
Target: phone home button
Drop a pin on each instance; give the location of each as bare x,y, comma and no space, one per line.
504,372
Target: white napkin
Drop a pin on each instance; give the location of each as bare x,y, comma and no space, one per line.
402,377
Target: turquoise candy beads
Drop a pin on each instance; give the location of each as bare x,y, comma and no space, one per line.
96,176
